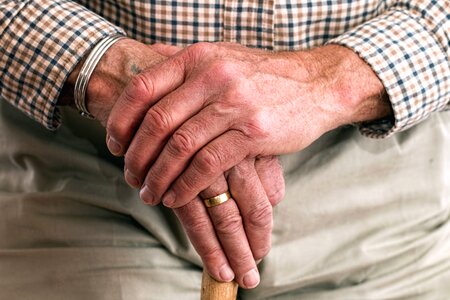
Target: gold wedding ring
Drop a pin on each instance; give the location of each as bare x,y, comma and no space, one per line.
217,200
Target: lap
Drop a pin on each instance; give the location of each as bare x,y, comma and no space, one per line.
71,228
362,219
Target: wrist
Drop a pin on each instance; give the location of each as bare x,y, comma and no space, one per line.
117,66
351,90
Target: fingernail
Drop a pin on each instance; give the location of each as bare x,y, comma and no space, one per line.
131,179
146,195
251,279
226,274
114,146
169,198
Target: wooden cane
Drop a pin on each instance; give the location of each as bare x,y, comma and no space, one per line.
215,290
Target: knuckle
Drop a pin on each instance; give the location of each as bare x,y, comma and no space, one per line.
195,225
256,126
210,255
271,174
260,216
181,143
208,161
276,196
140,88
228,225
245,170
243,260
224,71
192,55
159,121
185,188
145,131
200,48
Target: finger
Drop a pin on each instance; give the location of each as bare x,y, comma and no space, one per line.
255,208
163,119
178,151
158,125
147,88
166,50
230,231
139,95
271,176
212,160
200,230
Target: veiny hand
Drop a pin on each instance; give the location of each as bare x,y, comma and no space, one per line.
238,232
229,240
212,105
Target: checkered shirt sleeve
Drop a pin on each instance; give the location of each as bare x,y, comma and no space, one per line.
406,42
41,42
408,47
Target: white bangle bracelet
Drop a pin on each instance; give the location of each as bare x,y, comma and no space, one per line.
86,71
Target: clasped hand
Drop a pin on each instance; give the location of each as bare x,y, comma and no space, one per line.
229,238
210,118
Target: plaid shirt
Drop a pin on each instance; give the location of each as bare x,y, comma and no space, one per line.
406,42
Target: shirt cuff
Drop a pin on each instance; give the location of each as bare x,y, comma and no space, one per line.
411,62
43,41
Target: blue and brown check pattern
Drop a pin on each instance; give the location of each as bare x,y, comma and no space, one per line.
406,42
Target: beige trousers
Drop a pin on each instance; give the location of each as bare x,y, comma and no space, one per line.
362,219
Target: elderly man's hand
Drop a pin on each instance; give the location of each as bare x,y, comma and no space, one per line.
237,232
213,105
